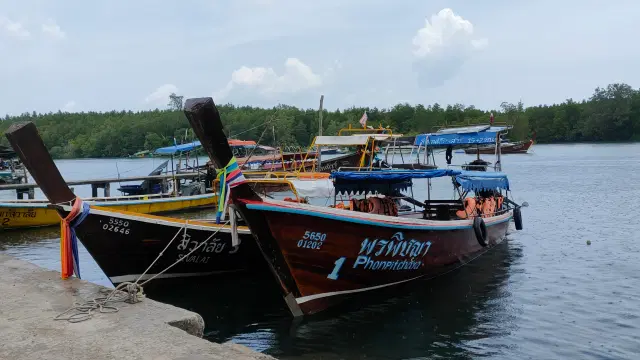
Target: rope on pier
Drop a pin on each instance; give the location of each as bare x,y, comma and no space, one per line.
104,304
126,292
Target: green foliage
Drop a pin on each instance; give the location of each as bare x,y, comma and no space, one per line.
610,114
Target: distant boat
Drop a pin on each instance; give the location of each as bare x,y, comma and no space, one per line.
520,147
7,177
331,151
142,154
11,170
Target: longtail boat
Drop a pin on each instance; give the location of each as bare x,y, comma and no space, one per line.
149,197
476,139
518,147
124,244
269,159
466,137
320,255
22,214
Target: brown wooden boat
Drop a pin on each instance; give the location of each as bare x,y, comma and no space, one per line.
520,147
320,255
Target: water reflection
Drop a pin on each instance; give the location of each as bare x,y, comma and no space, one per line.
563,300
441,317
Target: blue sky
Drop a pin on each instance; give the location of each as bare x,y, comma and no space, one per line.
123,54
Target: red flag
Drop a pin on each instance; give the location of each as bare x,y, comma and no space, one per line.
491,119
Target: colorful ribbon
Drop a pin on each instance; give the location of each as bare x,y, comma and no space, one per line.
229,177
68,240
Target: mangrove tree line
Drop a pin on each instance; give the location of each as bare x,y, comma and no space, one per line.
610,114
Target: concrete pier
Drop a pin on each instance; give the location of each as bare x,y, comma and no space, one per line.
31,297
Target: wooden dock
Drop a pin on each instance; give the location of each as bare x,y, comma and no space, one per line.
105,184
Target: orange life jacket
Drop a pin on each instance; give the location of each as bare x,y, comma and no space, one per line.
488,207
469,208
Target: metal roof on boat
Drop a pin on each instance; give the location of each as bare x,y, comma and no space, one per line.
435,139
468,135
472,129
169,150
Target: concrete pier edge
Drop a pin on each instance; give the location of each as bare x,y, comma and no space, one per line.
31,297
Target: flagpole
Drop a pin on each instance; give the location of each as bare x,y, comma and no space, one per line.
319,155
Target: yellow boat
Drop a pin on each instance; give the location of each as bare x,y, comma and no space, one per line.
18,214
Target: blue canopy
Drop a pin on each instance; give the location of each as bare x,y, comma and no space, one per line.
481,180
383,182
170,150
392,175
473,138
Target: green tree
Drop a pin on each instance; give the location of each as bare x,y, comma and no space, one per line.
612,113
175,102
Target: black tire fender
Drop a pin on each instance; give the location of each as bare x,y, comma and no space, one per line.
517,218
480,228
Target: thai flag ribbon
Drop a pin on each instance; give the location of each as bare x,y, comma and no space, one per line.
69,259
229,177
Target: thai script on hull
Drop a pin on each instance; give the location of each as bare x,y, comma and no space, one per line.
397,246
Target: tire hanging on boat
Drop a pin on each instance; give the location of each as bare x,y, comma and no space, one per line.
517,218
480,228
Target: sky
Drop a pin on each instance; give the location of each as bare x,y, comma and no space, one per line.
102,55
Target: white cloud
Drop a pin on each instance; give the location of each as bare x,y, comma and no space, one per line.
69,107
13,28
52,29
161,95
297,77
442,46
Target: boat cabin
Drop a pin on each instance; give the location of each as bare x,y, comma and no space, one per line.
391,193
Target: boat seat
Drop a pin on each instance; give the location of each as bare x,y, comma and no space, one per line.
443,213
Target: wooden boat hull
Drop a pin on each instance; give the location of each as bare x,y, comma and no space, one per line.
330,165
125,244
28,214
517,148
328,256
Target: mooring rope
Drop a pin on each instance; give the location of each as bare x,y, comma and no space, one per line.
184,230
104,304
127,291
182,258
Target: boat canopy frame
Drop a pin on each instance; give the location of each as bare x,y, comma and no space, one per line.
394,182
